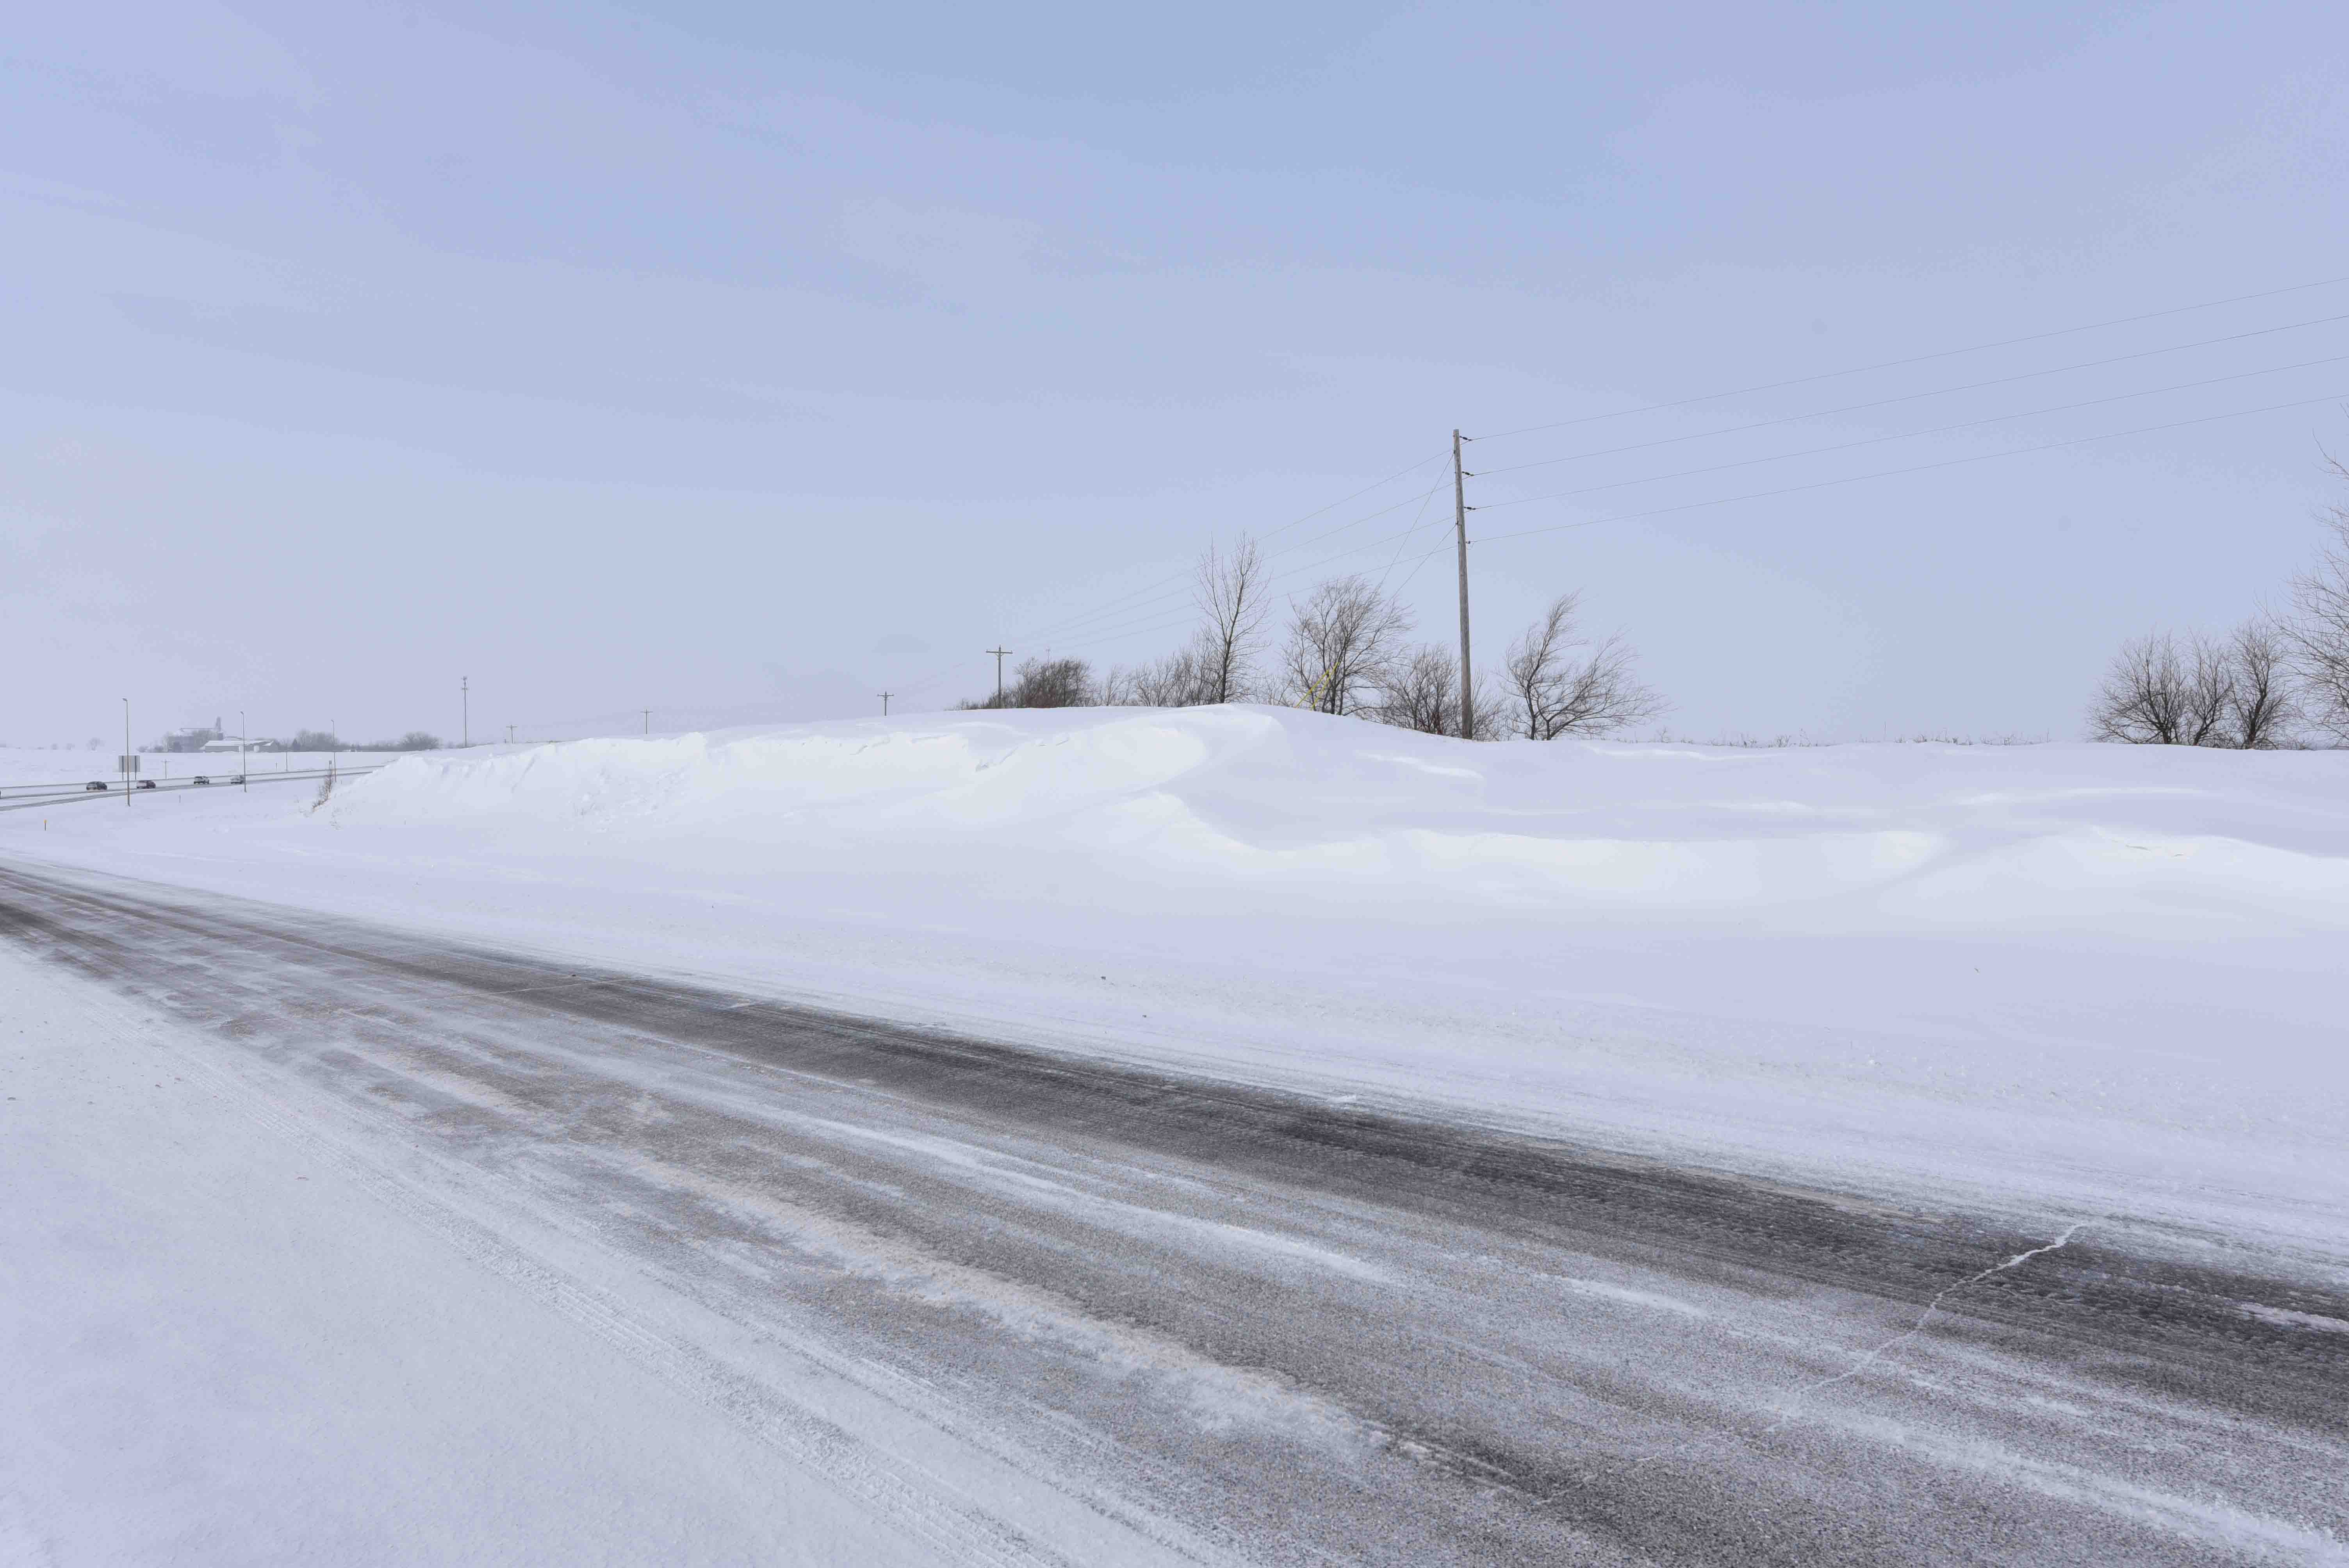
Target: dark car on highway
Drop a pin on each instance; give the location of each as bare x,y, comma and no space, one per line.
96,784
146,783
199,779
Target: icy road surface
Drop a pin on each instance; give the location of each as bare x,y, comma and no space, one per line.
1022,1308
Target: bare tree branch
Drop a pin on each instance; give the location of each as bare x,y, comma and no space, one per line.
1174,681
1552,692
1047,682
2263,708
1343,640
1423,693
2318,630
2167,690
2147,696
1230,593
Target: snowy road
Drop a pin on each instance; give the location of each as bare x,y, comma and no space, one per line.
1028,1308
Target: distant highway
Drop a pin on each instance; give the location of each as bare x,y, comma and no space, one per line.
19,797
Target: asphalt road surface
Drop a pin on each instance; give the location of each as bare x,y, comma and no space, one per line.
1186,1320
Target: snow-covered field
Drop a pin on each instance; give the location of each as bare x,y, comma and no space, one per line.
2099,977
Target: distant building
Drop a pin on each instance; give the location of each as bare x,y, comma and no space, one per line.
199,738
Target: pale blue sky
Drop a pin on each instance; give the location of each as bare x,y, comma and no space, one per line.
709,354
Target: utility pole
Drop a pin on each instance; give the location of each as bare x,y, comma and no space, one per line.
1460,526
648,721
884,703
243,782
509,730
127,759
465,691
998,654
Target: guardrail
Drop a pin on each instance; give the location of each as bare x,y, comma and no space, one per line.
30,795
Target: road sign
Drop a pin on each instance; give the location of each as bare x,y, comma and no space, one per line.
128,764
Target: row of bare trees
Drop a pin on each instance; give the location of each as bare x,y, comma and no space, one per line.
1345,648
2276,680
2194,690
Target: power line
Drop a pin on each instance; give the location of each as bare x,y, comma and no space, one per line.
1358,495
1792,489
1172,622
1155,590
1183,617
1082,620
1912,396
1908,435
1919,467
1137,603
1417,523
1070,622
1917,359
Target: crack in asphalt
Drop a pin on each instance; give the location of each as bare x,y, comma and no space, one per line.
1802,1396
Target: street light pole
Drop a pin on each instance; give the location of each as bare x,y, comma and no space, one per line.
125,751
242,781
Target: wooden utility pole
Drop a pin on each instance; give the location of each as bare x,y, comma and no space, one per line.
648,721
884,703
1460,527
465,694
998,654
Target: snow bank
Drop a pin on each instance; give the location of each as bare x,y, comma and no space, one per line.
1275,805
2081,978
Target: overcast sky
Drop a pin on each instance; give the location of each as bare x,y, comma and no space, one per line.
706,354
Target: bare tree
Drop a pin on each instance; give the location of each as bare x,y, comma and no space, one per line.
1423,693
1231,593
2318,631
2262,708
1046,683
1552,691
1343,640
2169,690
1053,683
1174,681
2150,695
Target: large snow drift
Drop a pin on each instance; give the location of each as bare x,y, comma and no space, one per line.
2107,975
1339,815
